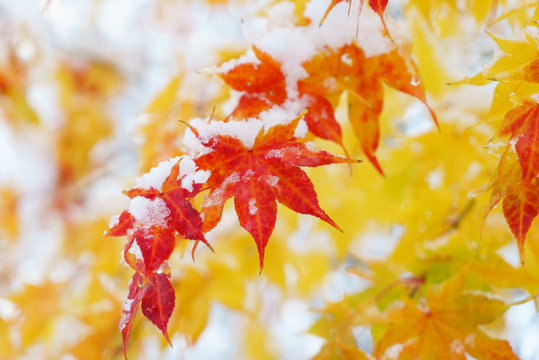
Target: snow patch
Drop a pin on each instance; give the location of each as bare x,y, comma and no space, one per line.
216,196
128,304
252,207
135,250
457,347
149,212
301,130
157,175
114,220
198,177
243,130
272,180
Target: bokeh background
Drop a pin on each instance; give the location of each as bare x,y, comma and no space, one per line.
91,96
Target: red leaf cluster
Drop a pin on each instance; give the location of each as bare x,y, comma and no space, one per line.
150,285
330,73
261,175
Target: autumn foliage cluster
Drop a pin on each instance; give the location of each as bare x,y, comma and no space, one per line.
410,128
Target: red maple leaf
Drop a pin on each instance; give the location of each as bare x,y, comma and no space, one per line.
156,294
125,222
156,245
158,301
517,181
260,176
263,83
156,242
183,217
132,303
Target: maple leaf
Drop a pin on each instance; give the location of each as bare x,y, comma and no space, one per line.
125,222
320,119
516,182
263,84
183,217
260,176
349,69
158,301
446,328
156,244
131,306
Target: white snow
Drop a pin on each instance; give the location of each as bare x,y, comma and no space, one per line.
216,196
244,130
149,212
157,175
247,58
272,180
248,174
135,250
457,347
128,304
198,177
187,166
301,129
189,175
252,207
274,153
113,221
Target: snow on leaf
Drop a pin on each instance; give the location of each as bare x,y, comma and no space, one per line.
242,172
130,309
263,79
158,301
124,223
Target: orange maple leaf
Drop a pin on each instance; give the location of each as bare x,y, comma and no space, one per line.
447,327
263,83
349,69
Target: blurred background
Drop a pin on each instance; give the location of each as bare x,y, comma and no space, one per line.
91,95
